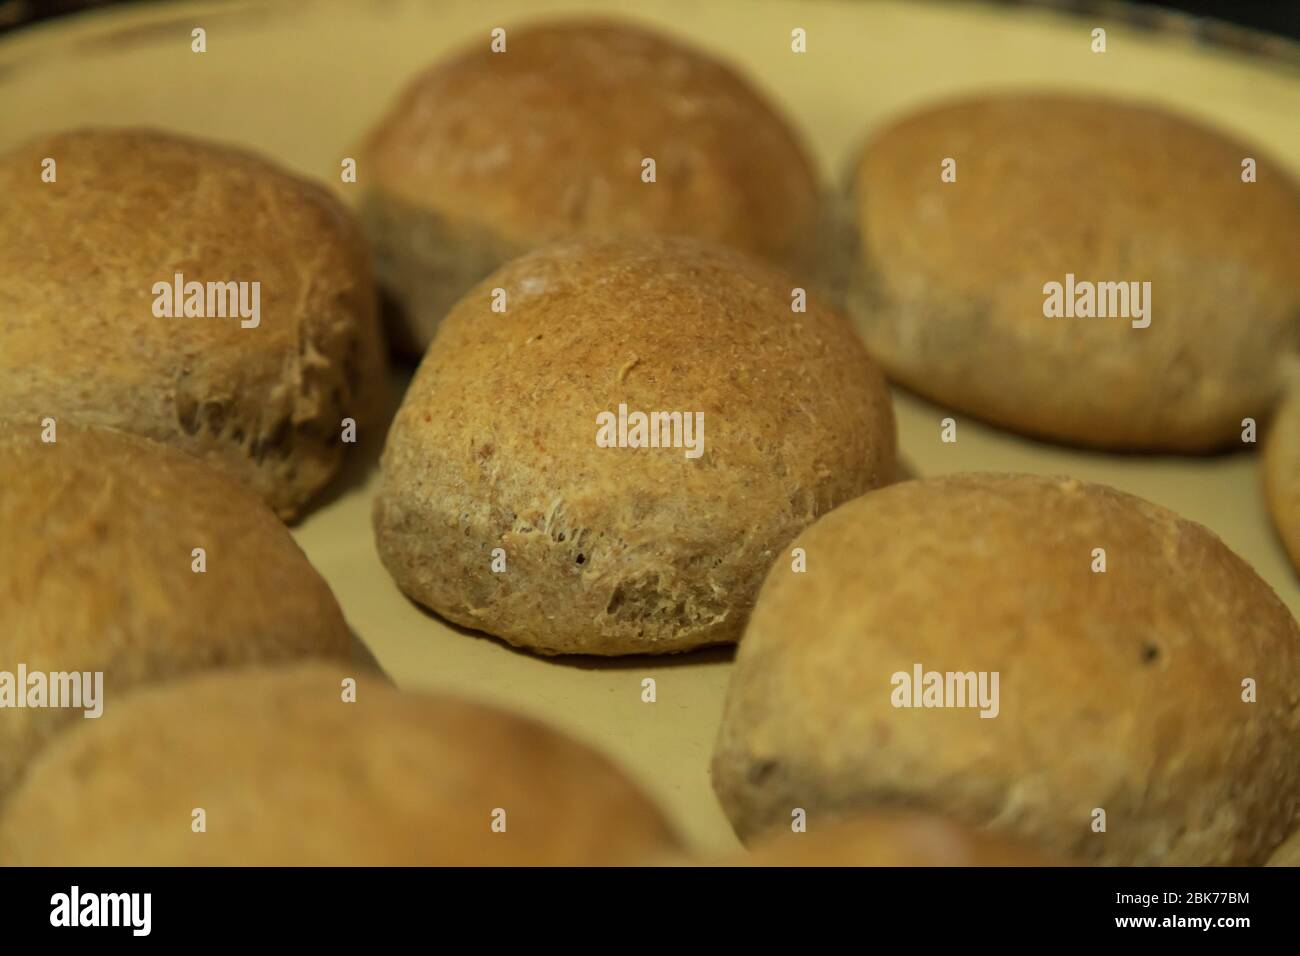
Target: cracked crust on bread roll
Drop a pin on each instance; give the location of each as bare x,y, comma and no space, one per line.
83,259
1121,690
487,155
289,773
98,573
622,550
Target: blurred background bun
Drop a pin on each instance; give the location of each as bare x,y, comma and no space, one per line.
948,280
487,155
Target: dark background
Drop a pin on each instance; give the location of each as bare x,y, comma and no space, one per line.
1274,16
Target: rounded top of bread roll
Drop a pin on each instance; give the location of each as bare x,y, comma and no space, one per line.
547,140
289,773
892,838
611,548
87,258
1123,689
1030,167
99,573
1281,461
954,274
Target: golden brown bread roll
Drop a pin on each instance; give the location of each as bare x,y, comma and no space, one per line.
949,285
1282,474
487,155
1120,690
97,573
891,838
289,774
498,509
84,259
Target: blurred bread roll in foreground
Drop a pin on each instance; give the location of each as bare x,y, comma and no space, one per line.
271,342
891,838
955,647
1126,208
1282,473
503,508
288,773
489,154
99,573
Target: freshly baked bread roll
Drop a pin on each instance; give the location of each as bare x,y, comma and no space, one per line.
954,647
94,330
950,284
885,838
511,501
99,573
289,773
1282,474
488,155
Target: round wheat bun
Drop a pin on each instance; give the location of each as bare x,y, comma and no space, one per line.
288,773
1282,474
488,155
620,550
1119,691
891,838
79,259
947,283
97,573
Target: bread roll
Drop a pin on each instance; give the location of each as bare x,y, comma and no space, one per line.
98,574
488,155
89,260
885,838
498,509
949,285
1282,474
289,774
1120,690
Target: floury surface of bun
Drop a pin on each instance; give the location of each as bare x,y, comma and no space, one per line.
513,499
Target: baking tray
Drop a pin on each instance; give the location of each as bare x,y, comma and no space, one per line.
301,82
